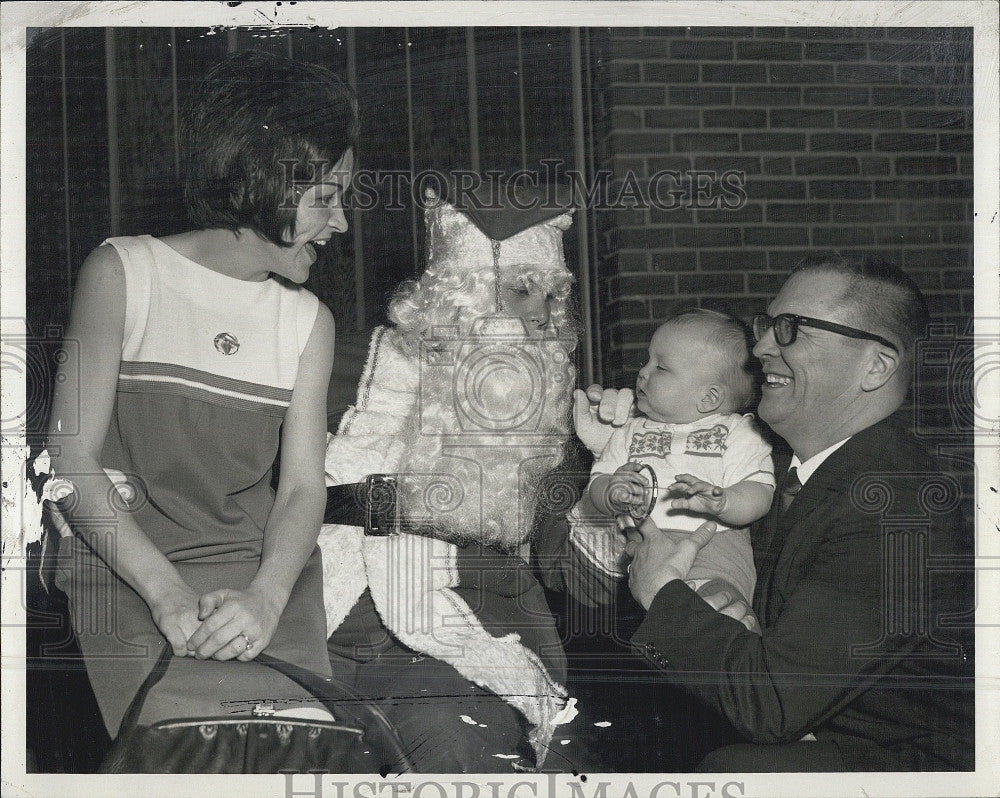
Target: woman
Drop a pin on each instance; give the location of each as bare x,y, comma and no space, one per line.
199,353
464,404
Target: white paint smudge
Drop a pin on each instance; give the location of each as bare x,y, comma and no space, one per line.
43,463
567,713
21,508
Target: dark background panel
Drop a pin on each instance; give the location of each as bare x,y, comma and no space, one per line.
387,229
548,101
263,39
45,201
500,99
87,142
321,46
197,49
146,115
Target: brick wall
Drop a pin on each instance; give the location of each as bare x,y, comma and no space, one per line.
850,139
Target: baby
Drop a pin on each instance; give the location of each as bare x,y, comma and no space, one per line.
709,461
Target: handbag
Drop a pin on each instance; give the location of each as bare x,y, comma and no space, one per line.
359,740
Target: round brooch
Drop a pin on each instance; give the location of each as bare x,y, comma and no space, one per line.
227,343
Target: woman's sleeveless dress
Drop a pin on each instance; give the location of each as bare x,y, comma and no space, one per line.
207,371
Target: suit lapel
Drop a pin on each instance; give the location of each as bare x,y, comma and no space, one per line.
779,539
793,529
786,533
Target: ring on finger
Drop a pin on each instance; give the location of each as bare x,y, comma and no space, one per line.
248,643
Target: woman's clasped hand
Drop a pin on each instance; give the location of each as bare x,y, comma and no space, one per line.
224,624
236,624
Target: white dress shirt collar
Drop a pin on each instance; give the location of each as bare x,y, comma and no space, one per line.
808,468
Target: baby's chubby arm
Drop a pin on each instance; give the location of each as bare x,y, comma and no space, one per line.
613,494
736,505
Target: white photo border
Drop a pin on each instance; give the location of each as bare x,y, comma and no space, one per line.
982,16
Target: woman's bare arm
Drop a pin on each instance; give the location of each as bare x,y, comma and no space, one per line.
96,325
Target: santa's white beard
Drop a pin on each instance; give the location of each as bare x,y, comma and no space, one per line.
493,419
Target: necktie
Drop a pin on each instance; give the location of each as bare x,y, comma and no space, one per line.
789,488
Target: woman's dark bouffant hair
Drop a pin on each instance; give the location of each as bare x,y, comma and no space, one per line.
256,126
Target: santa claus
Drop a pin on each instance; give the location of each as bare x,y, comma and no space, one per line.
434,477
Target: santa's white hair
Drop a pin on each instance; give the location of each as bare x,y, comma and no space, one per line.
493,411
459,285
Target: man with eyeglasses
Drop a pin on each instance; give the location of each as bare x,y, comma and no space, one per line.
860,661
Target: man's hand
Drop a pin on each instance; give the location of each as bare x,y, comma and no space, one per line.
726,602
697,495
660,556
596,413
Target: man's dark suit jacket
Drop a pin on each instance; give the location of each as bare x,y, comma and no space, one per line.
864,594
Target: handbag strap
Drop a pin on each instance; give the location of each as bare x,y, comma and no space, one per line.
135,708
332,692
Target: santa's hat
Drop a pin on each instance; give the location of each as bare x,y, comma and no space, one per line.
473,224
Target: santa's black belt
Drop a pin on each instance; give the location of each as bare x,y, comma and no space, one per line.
372,504
346,504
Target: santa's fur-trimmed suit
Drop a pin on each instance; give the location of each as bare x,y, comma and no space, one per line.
472,419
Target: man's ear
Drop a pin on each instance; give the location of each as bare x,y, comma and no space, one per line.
882,364
712,399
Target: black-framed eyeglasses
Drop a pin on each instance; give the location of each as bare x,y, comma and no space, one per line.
786,328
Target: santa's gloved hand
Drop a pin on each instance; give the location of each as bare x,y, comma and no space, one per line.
597,411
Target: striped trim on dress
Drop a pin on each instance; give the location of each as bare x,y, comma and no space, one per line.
175,380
